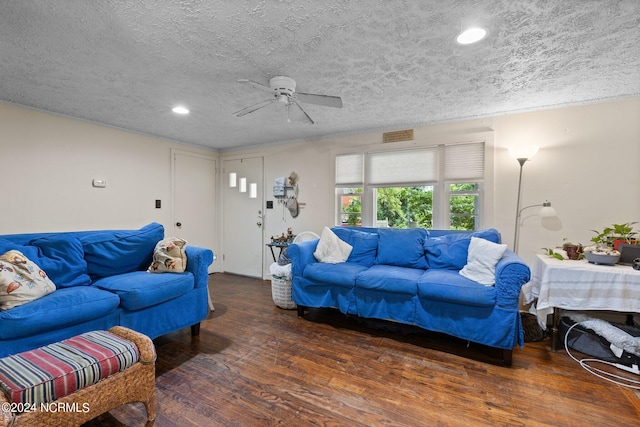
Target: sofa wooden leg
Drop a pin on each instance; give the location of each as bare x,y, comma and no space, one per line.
195,330
507,357
300,311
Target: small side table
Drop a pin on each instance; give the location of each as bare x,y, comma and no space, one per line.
277,245
579,285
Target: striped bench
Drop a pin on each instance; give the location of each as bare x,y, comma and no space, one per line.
75,380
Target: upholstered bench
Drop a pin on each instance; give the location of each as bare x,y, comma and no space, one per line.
75,380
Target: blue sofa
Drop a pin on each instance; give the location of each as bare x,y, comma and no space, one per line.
101,281
412,276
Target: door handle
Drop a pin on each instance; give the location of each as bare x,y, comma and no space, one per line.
259,224
178,224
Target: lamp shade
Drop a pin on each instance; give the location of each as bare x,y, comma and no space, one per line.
547,211
523,151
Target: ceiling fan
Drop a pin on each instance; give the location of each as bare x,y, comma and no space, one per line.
283,90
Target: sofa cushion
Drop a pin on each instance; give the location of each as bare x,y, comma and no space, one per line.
120,251
450,286
402,247
169,256
481,261
450,250
62,308
21,280
63,260
365,245
342,274
331,249
140,289
389,278
61,257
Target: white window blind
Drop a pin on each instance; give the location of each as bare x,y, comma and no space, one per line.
350,170
402,167
464,161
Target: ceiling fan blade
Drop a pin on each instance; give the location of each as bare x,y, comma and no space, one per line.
254,107
256,85
324,100
304,112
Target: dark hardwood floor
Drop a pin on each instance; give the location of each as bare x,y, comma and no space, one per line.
257,365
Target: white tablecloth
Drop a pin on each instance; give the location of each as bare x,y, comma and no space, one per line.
579,285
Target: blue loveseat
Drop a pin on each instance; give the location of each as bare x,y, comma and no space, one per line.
101,281
413,276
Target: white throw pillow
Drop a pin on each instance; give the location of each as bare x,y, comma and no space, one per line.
331,248
482,258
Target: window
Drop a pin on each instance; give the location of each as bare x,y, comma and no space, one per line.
404,207
463,206
351,206
428,187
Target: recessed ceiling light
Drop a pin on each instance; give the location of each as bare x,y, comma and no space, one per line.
180,110
471,35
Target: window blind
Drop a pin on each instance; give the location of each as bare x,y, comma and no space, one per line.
350,170
402,167
464,161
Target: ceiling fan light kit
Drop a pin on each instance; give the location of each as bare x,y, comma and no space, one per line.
283,89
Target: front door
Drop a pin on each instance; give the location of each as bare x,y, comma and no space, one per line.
243,216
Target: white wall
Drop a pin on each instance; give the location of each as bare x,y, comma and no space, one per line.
48,164
587,167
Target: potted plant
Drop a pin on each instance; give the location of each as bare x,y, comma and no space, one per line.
573,251
615,235
623,234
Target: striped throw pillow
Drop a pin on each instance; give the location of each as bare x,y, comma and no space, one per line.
57,370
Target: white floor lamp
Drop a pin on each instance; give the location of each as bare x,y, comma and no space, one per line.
522,154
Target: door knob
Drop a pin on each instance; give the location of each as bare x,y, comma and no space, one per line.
259,224
178,224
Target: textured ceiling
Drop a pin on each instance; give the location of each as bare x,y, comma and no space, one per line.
394,63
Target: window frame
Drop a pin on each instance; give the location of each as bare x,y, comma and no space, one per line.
441,187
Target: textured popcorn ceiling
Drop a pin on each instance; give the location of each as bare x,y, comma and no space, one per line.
394,63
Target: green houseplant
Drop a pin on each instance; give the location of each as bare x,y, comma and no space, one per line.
615,235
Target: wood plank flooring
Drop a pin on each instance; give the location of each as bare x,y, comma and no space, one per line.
257,365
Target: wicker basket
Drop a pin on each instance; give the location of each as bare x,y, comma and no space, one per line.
281,293
136,384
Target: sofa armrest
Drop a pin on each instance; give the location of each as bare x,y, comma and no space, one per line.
511,274
301,254
198,261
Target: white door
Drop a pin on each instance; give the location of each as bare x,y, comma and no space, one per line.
243,216
194,191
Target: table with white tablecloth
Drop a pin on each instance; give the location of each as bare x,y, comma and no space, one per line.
580,285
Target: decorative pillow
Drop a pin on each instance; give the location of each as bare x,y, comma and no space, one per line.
21,280
365,245
450,251
169,256
402,247
481,261
331,249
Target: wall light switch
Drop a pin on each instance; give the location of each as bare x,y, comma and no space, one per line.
158,204
99,183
